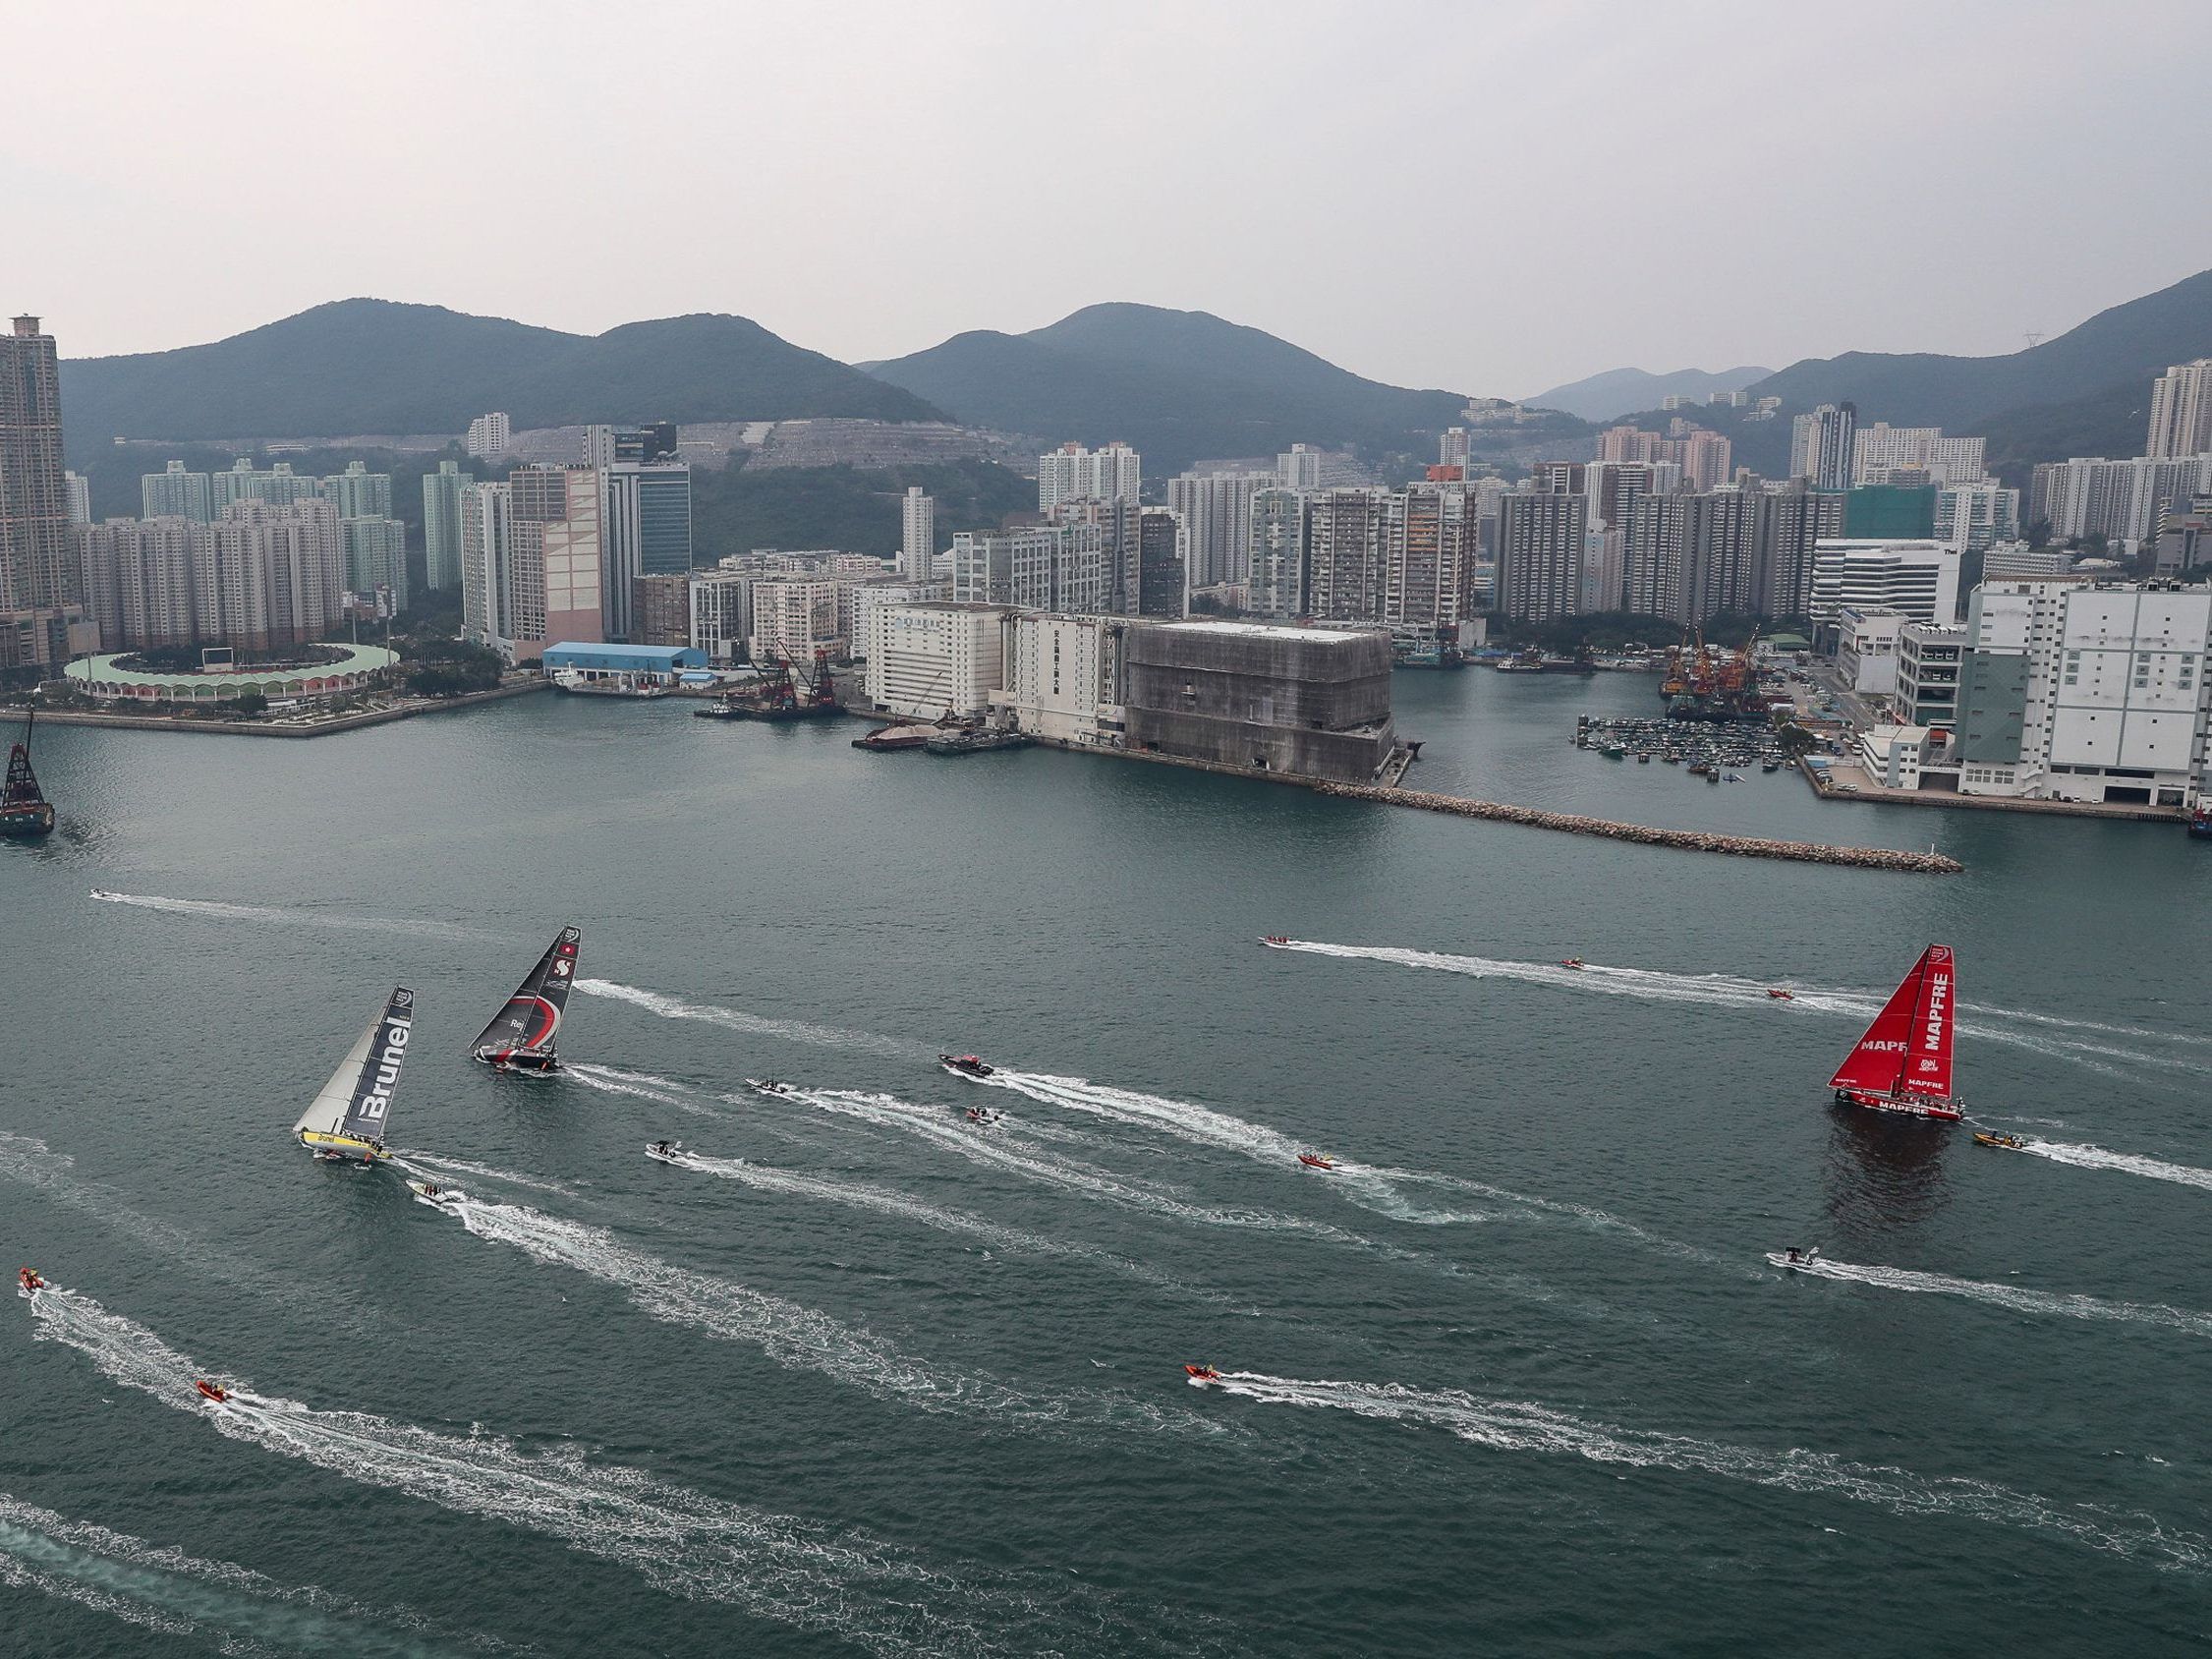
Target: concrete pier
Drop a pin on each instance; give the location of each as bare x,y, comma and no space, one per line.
1690,841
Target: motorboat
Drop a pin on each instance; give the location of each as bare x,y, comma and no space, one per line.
1572,962
213,1390
667,1152
441,1197
1315,1160
1776,994
1275,942
770,1086
1204,1373
982,1114
965,1066
2010,1143
1794,1259
28,1277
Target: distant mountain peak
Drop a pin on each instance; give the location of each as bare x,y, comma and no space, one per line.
1626,391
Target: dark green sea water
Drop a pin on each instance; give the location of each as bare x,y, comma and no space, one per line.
1514,1379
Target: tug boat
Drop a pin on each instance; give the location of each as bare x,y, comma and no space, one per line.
2010,1143
965,1066
1315,1160
213,1390
1902,1062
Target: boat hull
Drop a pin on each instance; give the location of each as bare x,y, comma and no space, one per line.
27,824
1940,1110
340,1146
521,1064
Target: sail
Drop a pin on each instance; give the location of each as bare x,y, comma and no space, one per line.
533,1015
1878,1060
1928,1070
356,1103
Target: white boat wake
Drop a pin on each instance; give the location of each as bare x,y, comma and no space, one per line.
1000,1150
270,914
231,1608
836,1581
884,1201
639,1085
2037,1032
1515,1426
2083,1156
794,1030
791,1334
440,1167
1371,1186
2071,1305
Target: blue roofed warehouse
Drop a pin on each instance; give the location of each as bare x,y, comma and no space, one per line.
626,665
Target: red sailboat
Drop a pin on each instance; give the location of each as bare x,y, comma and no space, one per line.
1902,1063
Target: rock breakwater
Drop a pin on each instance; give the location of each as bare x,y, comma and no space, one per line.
1688,840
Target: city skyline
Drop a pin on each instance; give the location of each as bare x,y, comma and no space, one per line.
875,127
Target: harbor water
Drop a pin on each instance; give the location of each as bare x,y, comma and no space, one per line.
860,1375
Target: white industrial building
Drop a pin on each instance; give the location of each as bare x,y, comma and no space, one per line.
1866,647
1060,677
2085,693
936,658
1916,576
869,601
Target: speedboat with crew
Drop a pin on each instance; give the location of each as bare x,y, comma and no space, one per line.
1572,962
1902,1062
1202,1373
981,1114
2010,1143
1775,994
667,1152
437,1196
519,1041
352,1112
1794,1259
1275,942
775,1086
965,1066
28,1277
213,1390
1315,1161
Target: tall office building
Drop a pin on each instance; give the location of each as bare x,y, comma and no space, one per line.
647,528
1540,555
41,623
556,558
917,535
1822,445
487,437
2180,411
1217,512
174,494
1275,581
441,526
488,548
1162,580
1072,473
1918,578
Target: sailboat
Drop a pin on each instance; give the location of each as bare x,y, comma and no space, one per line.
353,1110
520,1036
1902,1062
25,813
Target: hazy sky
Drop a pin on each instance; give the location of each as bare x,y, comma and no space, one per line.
1487,197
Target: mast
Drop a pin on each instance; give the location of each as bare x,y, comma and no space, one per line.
531,1016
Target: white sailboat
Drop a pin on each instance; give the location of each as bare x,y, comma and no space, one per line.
351,1111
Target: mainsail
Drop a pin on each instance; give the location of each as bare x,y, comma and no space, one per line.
354,1107
1906,1051
533,1015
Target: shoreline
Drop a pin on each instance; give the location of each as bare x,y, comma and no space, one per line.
406,710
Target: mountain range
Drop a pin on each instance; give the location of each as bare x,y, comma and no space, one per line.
1620,391
1178,385
373,366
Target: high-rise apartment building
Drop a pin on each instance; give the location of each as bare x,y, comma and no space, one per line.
142,578
793,617
1063,567
1704,458
1300,467
487,437
1345,553
1630,444
1163,579
174,493
1974,514
358,492
42,621
1456,449
1881,450
2119,500
1821,445
1540,555
487,573
376,561
2181,412
917,535
279,486
441,526
1072,473
1216,513
79,488
1274,562
1429,556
